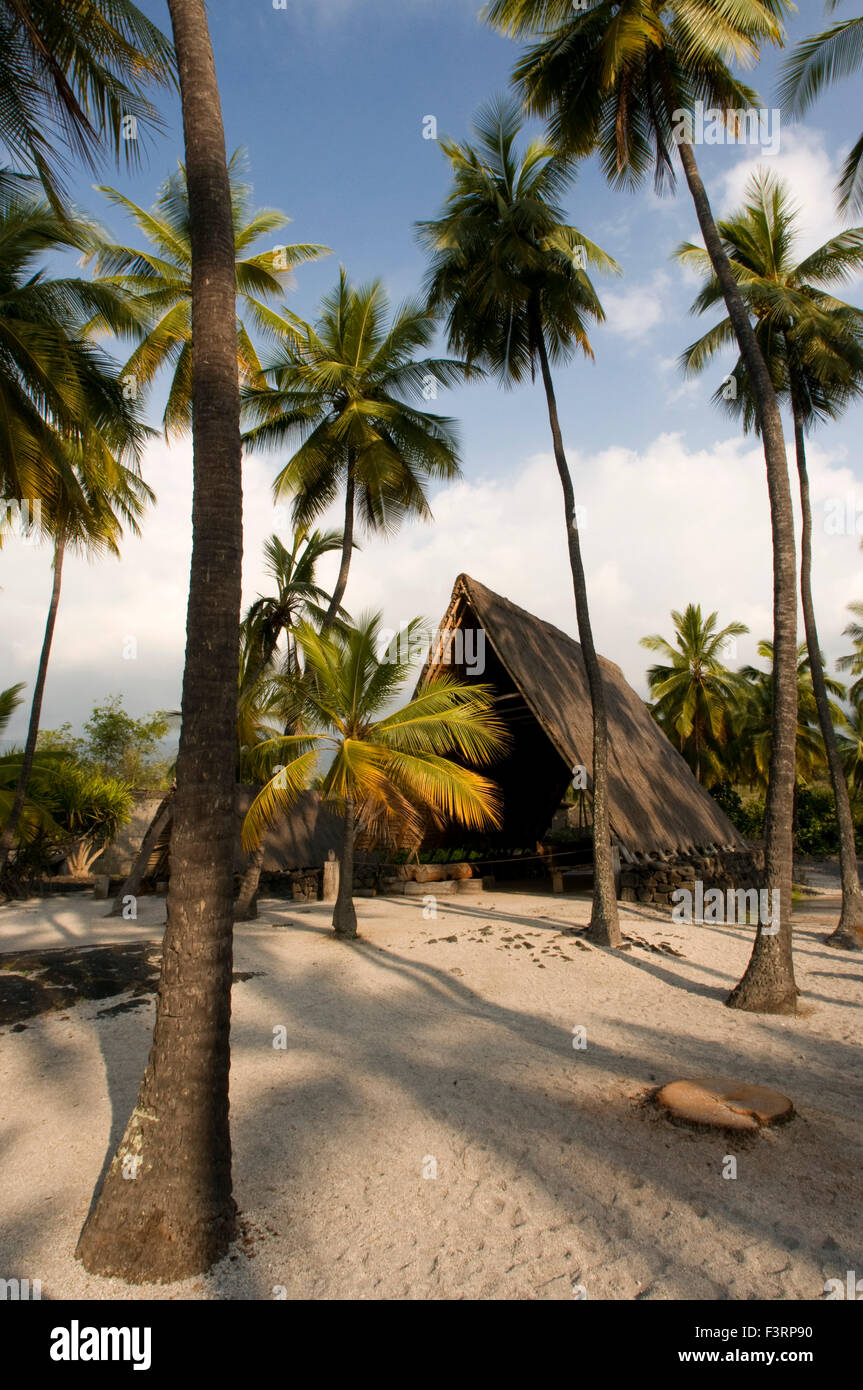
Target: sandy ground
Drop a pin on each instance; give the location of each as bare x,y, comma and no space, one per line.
77,920
445,1046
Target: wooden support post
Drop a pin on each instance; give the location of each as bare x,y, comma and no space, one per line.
331,878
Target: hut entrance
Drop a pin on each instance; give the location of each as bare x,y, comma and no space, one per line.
534,780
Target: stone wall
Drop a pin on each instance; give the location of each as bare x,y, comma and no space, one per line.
120,853
653,879
367,876
302,885
306,885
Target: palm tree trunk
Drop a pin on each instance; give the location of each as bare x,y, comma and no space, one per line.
251,681
849,932
291,664
347,549
8,836
132,884
768,985
604,917
246,906
269,652
178,1215
344,912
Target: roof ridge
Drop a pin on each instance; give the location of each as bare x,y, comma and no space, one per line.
468,583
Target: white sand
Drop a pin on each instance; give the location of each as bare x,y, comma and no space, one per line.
408,1047
65,921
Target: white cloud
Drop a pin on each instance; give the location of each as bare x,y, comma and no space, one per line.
664,526
327,12
693,390
810,171
632,313
143,595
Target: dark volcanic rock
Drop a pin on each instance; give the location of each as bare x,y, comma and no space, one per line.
35,982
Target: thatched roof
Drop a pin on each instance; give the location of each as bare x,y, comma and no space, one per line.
656,803
300,840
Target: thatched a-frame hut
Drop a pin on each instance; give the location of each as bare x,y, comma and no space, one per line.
657,805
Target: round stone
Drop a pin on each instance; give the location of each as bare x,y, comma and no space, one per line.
719,1103
461,870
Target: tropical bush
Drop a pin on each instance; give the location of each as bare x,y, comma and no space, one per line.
394,772
817,827
72,810
745,813
86,808
35,827
115,744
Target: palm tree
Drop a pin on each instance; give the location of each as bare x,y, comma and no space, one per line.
33,817
131,885
298,597
510,273
390,772
621,77
73,78
749,752
813,346
10,699
96,498
853,662
56,386
694,691
345,389
851,744
159,281
257,704
834,53
178,1216
87,805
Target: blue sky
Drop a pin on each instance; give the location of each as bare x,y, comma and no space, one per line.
329,97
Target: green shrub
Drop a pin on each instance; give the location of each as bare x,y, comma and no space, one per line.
87,807
817,828
746,814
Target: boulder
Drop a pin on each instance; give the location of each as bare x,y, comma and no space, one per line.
475,885
420,890
430,873
720,1103
462,870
